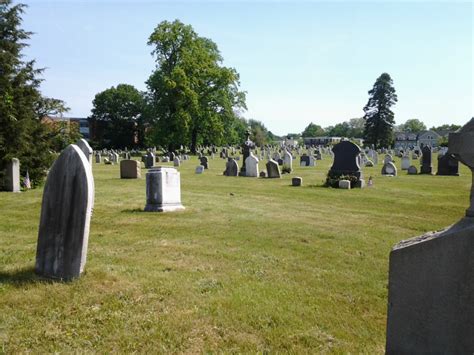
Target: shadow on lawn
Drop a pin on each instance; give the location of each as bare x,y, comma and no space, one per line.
20,277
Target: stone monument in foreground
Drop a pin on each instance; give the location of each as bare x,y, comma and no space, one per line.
163,190
66,211
431,280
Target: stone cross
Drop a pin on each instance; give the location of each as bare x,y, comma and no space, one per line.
461,144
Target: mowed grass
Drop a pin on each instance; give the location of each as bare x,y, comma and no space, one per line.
251,265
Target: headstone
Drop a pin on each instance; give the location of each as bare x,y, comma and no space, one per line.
247,146
263,174
199,169
426,166
251,166
448,165
130,169
98,158
405,162
231,168
171,156
389,169
297,181
412,170
176,162
163,190
66,211
304,160
344,184
86,149
345,161
12,176
288,161
387,159
273,169
431,280
150,160
204,162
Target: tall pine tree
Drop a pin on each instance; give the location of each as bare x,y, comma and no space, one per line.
22,135
379,119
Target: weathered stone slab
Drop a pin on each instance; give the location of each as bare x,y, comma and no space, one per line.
273,169
251,166
11,180
130,169
66,211
163,190
231,168
86,149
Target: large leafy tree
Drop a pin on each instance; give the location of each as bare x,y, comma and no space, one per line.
413,125
313,130
121,112
22,135
379,119
193,97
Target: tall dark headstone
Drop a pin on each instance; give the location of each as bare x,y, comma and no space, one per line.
431,280
204,162
231,168
246,148
426,166
66,211
346,160
448,165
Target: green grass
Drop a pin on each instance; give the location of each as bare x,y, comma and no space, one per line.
269,267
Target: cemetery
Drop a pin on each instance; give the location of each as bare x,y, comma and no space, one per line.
170,220
236,263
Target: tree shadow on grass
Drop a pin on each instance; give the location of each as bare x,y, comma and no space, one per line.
133,210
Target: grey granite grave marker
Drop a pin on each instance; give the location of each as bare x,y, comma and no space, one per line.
66,211
431,280
11,180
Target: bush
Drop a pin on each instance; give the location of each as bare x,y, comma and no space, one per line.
332,179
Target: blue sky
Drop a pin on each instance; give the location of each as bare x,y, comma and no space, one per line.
299,61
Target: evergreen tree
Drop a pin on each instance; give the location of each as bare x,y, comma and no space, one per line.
22,135
379,119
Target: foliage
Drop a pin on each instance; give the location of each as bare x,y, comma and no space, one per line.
332,179
120,109
22,135
62,133
192,95
446,127
379,119
313,130
412,125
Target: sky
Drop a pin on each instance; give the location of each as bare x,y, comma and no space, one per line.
299,61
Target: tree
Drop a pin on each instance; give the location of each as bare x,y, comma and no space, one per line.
446,127
379,119
313,130
22,135
413,126
121,109
193,97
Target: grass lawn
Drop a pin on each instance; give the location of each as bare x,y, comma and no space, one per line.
250,265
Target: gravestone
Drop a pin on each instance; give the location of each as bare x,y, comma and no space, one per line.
389,169
369,163
263,174
163,190
304,160
426,166
288,161
405,162
199,169
251,166
431,280
86,149
204,162
130,169
98,158
297,181
387,159
66,211
171,156
231,168
345,160
273,169
11,181
344,184
412,170
176,162
246,151
149,160
448,165
114,157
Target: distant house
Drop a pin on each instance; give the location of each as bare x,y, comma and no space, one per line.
321,140
408,140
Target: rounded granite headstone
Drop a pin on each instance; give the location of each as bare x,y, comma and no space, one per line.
66,211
